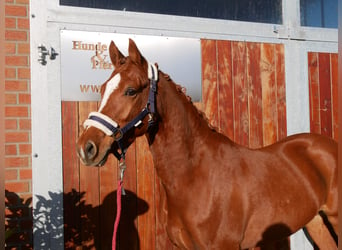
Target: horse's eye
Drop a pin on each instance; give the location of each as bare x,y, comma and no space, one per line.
130,92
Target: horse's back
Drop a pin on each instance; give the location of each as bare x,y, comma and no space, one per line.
316,151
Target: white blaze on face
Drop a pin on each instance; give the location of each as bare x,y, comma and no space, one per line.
112,85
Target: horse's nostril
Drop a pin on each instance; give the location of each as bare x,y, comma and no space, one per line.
90,149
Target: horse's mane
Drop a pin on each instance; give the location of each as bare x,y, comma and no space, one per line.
182,92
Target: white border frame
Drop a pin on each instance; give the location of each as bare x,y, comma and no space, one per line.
49,18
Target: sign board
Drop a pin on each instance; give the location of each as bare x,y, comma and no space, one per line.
85,62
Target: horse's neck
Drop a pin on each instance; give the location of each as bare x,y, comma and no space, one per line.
181,129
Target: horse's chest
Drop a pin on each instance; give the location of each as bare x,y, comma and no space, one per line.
180,236
177,231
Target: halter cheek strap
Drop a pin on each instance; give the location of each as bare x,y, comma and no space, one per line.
111,128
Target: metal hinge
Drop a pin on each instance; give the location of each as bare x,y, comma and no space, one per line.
43,52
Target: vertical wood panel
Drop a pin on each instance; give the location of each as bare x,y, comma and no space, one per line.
209,80
108,178
71,178
323,81
107,203
71,174
315,124
241,118
225,86
325,93
281,91
90,185
334,90
269,93
254,95
130,178
145,191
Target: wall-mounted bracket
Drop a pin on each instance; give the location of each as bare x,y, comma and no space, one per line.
43,52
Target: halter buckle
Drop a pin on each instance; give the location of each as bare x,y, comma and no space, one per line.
118,135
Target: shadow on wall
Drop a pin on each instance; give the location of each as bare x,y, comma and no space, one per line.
85,226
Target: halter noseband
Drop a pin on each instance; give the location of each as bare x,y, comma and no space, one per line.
111,128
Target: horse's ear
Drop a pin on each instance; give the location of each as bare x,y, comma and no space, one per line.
115,55
134,53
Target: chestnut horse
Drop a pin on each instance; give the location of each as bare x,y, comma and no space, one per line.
218,195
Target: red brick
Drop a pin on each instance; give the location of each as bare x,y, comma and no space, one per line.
12,137
26,224
24,23
10,98
15,10
10,73
16,111
25,174
25,124
23,1
16,60
25,197
24,98
19,239
11,174
10,22
11,124
11,199
25,149
11,149
24,48
7,212
15,35
24,73
18,187
16,86
10,48
16,162
18,206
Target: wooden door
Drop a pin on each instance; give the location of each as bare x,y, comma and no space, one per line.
243,95
323,87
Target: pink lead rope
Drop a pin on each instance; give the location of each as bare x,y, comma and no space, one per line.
118,213
120,191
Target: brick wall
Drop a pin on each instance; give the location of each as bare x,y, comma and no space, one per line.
18,171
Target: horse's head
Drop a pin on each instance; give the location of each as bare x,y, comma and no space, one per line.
127,105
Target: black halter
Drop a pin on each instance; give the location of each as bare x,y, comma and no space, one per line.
110,127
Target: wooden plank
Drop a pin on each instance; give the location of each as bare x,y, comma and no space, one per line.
108,177
315,120
241,116
334,91
269,93
209,81
107,198
254,95
281,91
90,185
71,177
128,234
325,93
71,166
225,89
146,192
